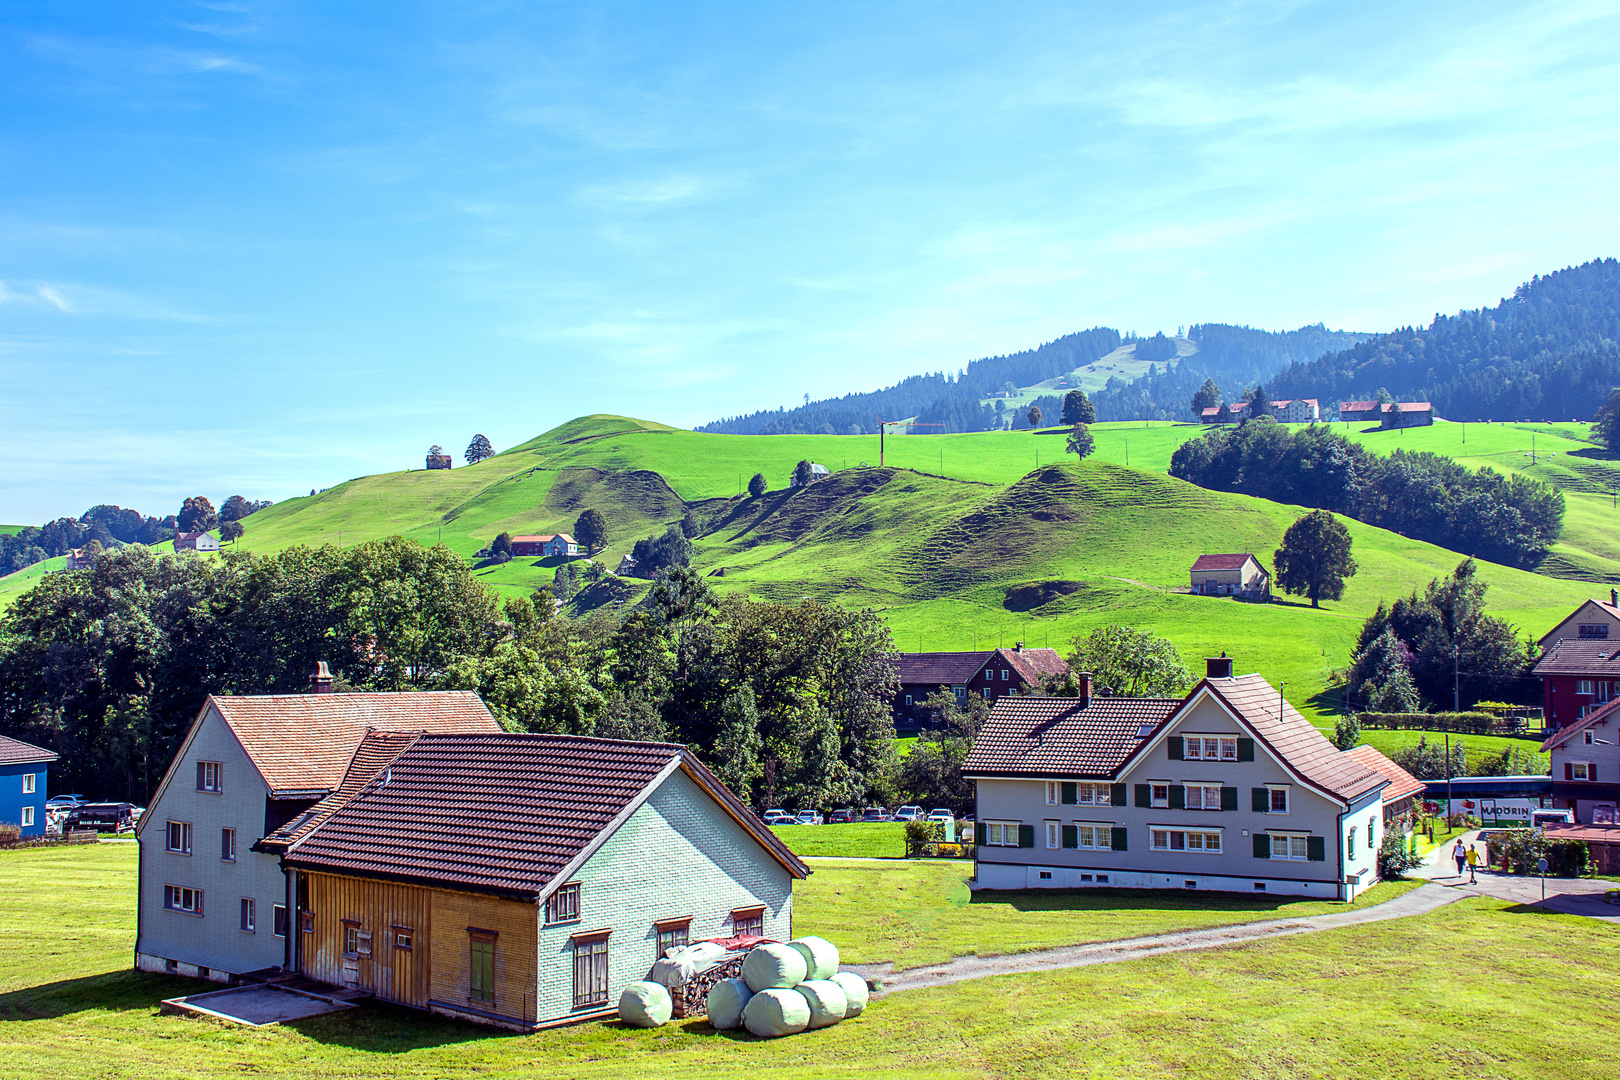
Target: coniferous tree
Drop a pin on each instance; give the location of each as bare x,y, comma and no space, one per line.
757,485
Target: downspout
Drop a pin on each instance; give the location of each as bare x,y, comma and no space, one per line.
1338,833
289,947
140,898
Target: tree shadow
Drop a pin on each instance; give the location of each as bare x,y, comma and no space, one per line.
1594,453
379,1027
118,991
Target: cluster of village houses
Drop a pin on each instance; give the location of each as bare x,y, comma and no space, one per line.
404,846
1386,414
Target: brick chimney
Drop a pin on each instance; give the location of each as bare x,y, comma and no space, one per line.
321,681
1614,598
1085,688
1218,667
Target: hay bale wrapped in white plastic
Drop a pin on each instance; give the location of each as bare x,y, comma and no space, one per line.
771,967
820,956
727,999
775,1011
854,988
645,1004
826,999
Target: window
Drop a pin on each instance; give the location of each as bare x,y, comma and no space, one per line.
1094,795
1288,846
208,776
1278,799
1370,823
1580,770
1588,738
1203,797
481,967
1204,843
563,905
180,837
1228,749
403,936
590,971
673,934
351,938
1003,674
278,915
748,922
29,780
227,844
1206,748
1161,794
247,915
1592,630
960,692
179,898
1583,686
908,699
1350,847
27,816
1001,833
987,693
1053,792
1095,837
1054,836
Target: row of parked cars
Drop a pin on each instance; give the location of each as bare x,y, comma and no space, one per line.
66,813
778,816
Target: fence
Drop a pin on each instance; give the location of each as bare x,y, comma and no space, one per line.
77,836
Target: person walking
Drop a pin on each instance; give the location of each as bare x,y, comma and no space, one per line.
1473,862
1459,855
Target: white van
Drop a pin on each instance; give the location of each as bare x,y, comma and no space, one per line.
1541,818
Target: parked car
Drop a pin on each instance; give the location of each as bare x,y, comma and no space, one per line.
808,817
941,815
842,817
64,802
777,816
876,813
110,817
908,813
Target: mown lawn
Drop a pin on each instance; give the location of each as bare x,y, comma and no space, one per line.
857,840
1398,999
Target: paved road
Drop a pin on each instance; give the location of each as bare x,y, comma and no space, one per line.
1571,896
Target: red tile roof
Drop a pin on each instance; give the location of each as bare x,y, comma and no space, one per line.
1402,784
1409,406
304,742
502,813
1056,737
939,668
1600,834
1580,656
1596,716
1033,664
376,752
542,538
1359,406
17,752
1232,561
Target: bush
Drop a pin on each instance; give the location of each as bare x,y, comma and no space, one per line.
1346,732
1395,856
9,835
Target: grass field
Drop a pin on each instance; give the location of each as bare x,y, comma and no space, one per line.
856,840
1398,999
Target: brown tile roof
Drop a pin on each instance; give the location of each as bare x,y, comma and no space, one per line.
1292,738
939,668
1033,664
376,752
1055,737
304,742
1359,406
1578,656
501,813
541,538
1604,715
1409,406
1402,784
1233,561
17,752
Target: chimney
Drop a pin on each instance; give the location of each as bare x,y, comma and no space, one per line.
1218,667
1614,598
321,681
1085,688
1019,646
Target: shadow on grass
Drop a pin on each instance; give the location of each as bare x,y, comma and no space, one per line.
116,990
1105,899
380,1028
1594,453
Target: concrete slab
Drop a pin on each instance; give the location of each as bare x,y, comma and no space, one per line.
255,1005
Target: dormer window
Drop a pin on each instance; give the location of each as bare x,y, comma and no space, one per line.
1592,631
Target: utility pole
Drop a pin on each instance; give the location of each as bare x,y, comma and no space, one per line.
1456,652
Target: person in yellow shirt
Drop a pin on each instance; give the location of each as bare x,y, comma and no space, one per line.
1473,862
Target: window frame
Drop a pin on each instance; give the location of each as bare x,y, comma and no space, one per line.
248,913
30,783
174,897
217,770
1583,687
1054,792
590,968
278,918
672,929
227,844
481,965
404,937
1588,734
748,921
1054,834
1002,829
1580,771
1203,846
562,906
1289,839
26,819
1274,790
1155,800
1203,797
185,837
1102,835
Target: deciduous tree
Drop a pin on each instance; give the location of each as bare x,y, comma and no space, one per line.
757,485
1034,416
1080,443
1131,662
478,450
197,515
1314,559
803,474
1207,396
590,529
1078,409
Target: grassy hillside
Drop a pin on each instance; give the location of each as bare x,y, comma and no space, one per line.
11,530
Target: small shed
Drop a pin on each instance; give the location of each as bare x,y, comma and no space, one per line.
196,541
817,472
1234,574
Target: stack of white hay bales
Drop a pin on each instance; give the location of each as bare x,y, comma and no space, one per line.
784,989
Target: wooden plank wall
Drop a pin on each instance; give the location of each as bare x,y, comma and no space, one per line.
391,973
516,925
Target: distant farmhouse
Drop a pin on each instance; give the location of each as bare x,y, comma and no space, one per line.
77,559
438,459
817,472
1239,574
1388,415
990,674
1580,662
546,545
1286,411
196,541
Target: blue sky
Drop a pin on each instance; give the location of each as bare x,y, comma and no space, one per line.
258,248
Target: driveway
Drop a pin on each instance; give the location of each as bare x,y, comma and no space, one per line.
1570,896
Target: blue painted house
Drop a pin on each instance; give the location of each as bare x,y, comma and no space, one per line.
22,785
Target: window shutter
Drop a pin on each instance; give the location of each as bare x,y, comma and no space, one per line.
1178,797
981,833
1026,836
1116,794
1262,800
1316,848
1262,845
1228,798
1569,771
1174,747
1071,836
1070,795
1245,749
1119,838
1144,795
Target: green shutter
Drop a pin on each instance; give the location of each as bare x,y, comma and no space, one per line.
1071,836
1116,794
1119,838
1026,836
981,833
1316,848
1262,800
1174,747
1262,845
1228,798
1071,796
1245,749
1178,797
1144,795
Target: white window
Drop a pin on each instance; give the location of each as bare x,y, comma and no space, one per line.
179,898
207,776
1583,686
1228,749
1279,799
1204,747
29,779
1288,846
1001,833
1054,835
1161,794
1094,795
1003,674
1204,843
1580,770
27,816
1588,741
1095,837
247,914
180,837
1203,797
1054,791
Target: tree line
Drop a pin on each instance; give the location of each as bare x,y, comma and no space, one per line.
109,526
1482,513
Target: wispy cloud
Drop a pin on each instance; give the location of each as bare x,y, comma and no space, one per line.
654,192
116,57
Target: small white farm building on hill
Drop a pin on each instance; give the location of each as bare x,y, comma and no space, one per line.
1239,574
